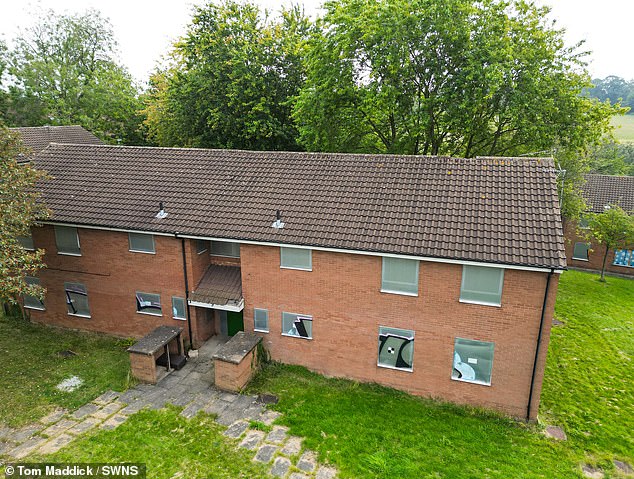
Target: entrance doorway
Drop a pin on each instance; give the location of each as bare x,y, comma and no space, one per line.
230,322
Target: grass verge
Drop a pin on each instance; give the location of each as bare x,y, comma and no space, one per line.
32,367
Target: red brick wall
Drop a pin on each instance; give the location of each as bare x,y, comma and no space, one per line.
595,255
112,275
342,293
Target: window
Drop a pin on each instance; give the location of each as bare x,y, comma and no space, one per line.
201,246
141,242
584,223
26,242
580,251
261,320
67,240
178,308
472,361
624,257
299,325
399,276
482,285
77,299
148,303
296,258
32,302
396,348
225,248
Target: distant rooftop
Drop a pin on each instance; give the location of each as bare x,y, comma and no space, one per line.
39,137
600,191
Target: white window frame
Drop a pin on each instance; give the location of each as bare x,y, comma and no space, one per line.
133,250
472,381
466,267
58,228
198,243
630,257
146,312
298,268
587,251
378,352
87,316
211,251
255,328
180,318
396,291
33,280
297,316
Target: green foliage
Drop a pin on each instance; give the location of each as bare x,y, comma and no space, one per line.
612,88
232,80
63,71
19,209
614,228
612,158
460,77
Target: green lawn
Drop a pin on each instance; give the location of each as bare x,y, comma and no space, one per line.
168,444
32,367
624,131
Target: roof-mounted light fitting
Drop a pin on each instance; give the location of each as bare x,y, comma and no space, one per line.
278,224
161,214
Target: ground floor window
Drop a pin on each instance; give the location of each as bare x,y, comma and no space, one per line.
299,325
624,257
580,251
396,348
77,299
472,361
261,320
178,308
32,302
148,303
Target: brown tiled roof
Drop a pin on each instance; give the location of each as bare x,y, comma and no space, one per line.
498,210
219,285
39,137
602,190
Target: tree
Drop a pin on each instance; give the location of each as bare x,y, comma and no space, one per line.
614,89
19,209
459,77
231,80
614,229
63,71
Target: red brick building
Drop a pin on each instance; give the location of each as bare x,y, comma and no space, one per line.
601,192
433,275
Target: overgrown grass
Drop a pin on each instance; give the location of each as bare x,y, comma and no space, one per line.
32,367
373,432
589,386
168,444
624,131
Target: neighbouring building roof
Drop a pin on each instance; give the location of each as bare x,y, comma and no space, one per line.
220,285
496,210
600,191
39,137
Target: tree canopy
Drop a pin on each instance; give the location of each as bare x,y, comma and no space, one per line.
232,80
63,71
19,208
613,88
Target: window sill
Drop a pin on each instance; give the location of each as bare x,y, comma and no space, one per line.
34,308
296,269
295,336
201,252
406,370
623,265
224,256
174,317
402,293
139,251
266,331
481,303
149,314
68,254
580,259
479,383
85,316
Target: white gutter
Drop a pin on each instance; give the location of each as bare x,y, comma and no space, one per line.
316,248
224,307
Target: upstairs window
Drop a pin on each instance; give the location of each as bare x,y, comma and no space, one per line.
33,302
148,303
141,242
225,248
77,299
580,251
482,285
298,325
26,242
201,246
400,276
67,240
296,258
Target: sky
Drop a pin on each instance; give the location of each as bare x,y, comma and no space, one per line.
145,29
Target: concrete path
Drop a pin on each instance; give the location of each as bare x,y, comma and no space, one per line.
191,388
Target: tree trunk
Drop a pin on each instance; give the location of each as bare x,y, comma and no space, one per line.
605,257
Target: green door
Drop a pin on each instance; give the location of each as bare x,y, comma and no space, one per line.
234,322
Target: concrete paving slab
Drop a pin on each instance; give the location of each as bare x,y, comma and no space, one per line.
307,462
85,410
325,472
114,422
277,435
252,440
106,398
237,429
292,447
27,447
56,444
84,426
53,416
59,427
265,453
280,467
